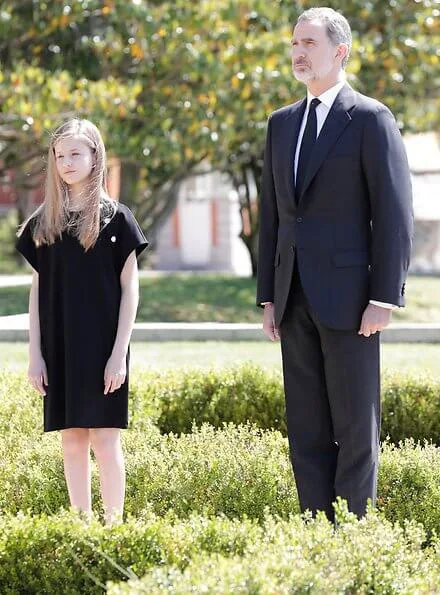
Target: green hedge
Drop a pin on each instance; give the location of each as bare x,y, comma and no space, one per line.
175,399
410,405
371,556
62,554
409,483
239,394
236,471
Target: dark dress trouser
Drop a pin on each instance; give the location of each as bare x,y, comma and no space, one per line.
332,389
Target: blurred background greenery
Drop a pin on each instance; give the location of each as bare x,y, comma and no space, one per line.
173,84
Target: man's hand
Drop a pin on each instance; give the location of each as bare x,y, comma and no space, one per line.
269,328
375,318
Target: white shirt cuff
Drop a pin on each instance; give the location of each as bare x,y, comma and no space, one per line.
383,305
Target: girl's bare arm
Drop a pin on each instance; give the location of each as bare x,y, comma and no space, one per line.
37,372
115,371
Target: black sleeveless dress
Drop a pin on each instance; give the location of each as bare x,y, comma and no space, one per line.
79,298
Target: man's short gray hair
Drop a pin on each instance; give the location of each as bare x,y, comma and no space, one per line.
337,26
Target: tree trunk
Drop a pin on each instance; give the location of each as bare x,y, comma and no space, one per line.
249,207
129,183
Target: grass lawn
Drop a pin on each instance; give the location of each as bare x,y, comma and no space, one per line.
419,358
184,297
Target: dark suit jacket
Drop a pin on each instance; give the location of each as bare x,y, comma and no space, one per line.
351,229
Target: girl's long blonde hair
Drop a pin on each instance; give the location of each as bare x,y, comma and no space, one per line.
53,216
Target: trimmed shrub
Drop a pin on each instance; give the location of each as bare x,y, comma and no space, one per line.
409,483
410,408
241,394
410,405
21,408
370,556
63,554
236,471
175,400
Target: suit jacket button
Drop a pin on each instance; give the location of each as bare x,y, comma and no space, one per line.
299,219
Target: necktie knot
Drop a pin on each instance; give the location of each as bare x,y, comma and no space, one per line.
314,103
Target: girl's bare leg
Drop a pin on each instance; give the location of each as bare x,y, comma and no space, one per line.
106,444
76,450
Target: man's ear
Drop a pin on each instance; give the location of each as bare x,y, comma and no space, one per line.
342,51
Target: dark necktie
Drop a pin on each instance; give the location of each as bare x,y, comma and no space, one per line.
307,143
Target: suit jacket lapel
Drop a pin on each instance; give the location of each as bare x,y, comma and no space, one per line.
291,132
337,119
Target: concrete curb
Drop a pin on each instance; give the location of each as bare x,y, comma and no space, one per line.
15,328
203,331
412,333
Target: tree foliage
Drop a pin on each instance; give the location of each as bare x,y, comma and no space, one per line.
171,84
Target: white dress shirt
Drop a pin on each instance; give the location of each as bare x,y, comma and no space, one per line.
327,99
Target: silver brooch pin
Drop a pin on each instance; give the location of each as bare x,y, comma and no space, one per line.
113,239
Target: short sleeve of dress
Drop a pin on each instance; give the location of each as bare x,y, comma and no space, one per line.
131,236
26,245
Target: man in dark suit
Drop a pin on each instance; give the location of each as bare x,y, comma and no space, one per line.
335,237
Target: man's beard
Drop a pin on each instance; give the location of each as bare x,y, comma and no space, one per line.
304,76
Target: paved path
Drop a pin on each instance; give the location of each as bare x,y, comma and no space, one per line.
14,280
15,328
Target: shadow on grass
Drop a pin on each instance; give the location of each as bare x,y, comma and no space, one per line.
207,298
14,300
226,298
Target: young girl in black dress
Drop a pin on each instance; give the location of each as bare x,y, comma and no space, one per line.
82,246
